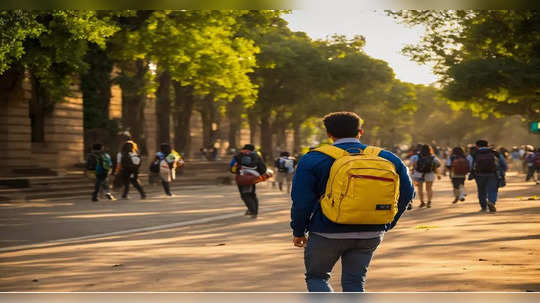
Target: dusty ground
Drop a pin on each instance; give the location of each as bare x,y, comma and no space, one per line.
445,248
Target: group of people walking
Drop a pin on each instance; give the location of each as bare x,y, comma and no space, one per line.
345,196
99,165
483,164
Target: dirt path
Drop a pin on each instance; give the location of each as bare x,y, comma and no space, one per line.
445,248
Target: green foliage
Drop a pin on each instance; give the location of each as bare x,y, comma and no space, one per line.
51,44
488,60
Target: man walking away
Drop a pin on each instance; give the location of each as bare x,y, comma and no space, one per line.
247,163
100,163
285,170
488,169
345,196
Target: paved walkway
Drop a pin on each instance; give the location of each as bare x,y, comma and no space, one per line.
199,240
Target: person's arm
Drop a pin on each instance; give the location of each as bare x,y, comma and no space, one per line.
448,163
304,196
118,162
406,188
438,167
261,166
502,163
412,162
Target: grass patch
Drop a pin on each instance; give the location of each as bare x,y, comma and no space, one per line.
425,227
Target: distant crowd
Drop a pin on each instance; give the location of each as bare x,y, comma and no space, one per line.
345,195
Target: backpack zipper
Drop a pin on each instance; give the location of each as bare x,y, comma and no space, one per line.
333,179
359,176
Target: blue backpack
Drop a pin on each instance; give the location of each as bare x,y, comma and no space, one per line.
104,164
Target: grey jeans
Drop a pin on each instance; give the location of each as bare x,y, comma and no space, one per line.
321,254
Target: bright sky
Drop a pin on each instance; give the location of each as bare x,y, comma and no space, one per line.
384,37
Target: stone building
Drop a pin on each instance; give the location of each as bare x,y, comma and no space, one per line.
61,146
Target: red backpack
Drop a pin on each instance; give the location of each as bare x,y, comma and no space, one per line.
536,159
460,166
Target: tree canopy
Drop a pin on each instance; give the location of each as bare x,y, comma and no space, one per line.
488,60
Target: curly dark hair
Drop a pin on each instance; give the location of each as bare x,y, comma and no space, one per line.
343,124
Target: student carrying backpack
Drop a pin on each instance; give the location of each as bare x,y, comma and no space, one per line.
165,164
285,170
459,167
130,161
345,197
488,169
249,169
99,164
425,168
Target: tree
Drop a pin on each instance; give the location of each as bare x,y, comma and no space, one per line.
50,46
204,57
488,60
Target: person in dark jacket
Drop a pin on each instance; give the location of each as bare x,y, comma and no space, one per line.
458,165
248,161
329,241
99,162
130,161
488,168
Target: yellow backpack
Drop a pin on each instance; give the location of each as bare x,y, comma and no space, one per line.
363,188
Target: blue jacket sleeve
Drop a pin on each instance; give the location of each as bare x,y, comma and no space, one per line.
502,163
406,187
304,196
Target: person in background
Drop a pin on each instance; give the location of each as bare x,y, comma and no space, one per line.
533,165
425,166
165,164
285,170
99,163
248,162
514,157
487,168
128,169
458,166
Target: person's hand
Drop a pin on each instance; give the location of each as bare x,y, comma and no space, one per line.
299,241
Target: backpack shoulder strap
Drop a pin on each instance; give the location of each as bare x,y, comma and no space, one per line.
372,150
332,151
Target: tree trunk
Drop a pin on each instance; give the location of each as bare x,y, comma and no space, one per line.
267,147
297,144
210,121
253,124
38,101
281,136
96,91
183,102
163,108
134,101
234,114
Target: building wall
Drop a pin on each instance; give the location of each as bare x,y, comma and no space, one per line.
63,146
15,135
63,143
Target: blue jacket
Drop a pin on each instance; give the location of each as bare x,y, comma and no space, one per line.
309,184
